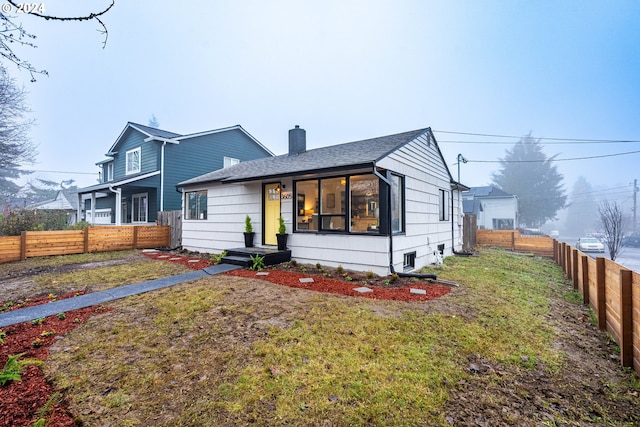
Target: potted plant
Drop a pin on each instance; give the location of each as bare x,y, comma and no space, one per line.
248,232
282,235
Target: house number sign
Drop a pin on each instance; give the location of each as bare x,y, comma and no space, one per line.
287,196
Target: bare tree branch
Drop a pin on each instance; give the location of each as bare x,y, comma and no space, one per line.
11,33
612,219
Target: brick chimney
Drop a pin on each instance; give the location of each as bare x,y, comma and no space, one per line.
297,141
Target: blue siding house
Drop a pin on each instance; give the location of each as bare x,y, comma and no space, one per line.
138,177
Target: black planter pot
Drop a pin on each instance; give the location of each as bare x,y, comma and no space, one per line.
248,239
282,241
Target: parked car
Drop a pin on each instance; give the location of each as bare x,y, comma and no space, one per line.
631,241
589,244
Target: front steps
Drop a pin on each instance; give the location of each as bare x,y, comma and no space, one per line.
242,256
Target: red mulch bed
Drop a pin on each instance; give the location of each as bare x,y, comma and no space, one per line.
21,400
338,286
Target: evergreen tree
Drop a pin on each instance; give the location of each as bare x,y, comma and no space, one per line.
531,176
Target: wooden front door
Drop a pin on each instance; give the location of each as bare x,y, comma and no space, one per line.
271,213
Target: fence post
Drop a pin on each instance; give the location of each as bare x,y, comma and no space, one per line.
85,235
563,247
135,237
585,279
600,294
574,264
626,313
23,246
567,262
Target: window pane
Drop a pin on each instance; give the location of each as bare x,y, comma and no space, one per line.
307,205
444,205
196,205
333,196
365,201
140,208
397,208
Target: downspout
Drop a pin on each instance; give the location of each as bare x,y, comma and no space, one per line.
118,206
162,176
389,219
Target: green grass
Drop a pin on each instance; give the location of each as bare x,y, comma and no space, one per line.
199,353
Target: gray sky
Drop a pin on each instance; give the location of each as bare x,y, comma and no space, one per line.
346,70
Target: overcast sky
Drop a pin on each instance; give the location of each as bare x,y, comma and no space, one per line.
346,70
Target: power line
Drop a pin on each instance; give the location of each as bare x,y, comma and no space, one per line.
555,160
542,143
67,172
541,138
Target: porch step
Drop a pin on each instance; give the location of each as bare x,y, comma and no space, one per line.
243,261
242,256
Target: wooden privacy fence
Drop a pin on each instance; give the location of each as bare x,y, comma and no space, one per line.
612,291
91,239
511,239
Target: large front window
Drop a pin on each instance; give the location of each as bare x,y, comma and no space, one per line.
332,203
365,203
353,203
139,206
133,161
196,205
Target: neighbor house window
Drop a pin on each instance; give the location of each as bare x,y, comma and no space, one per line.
444,205
133,161
397,204
139,207
365,203
230,161
196,205
503,223
109,171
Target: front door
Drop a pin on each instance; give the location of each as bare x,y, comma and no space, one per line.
271,213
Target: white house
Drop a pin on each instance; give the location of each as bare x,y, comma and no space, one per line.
63,201
385,205
494,208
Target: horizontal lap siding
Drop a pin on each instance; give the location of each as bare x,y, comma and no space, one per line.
227,207
359,253
9,248
45,243
425,174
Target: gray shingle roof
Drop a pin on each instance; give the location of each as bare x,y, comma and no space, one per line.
488,191
358,153
155,132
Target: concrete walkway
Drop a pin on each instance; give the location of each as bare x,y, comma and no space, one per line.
95,298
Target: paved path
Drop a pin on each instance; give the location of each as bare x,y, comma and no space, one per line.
95,298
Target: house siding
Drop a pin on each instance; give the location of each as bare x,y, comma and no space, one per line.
425,174
149,154
198,155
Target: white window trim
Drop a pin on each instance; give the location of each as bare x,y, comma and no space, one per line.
146,215
129,170
230,161
109,171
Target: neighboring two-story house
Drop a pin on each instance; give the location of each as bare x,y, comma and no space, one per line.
139,174
494,209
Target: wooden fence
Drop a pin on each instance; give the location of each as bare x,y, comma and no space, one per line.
513,240
611,290
91,239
